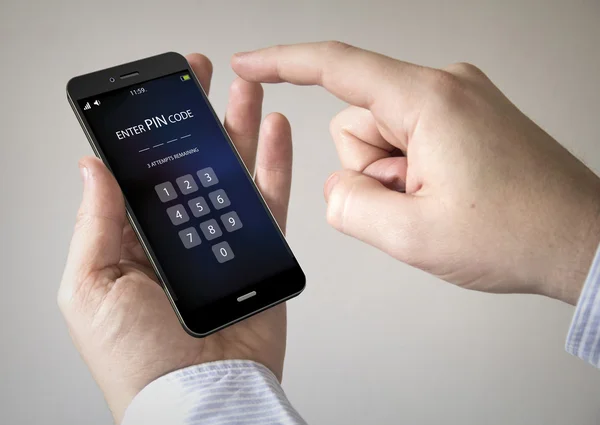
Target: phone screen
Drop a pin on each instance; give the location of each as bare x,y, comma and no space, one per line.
203,218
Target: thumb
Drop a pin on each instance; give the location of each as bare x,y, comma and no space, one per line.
362,207
96,242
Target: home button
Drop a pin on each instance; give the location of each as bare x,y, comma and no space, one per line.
245,297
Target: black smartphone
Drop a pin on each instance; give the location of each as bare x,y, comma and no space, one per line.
207,231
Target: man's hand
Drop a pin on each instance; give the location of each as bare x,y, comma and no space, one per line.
117,312
481,196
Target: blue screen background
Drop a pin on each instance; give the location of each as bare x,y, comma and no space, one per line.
195,276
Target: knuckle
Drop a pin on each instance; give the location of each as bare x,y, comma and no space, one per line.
334,125
82,220
340,199
465,69
446,87
336,46
63,299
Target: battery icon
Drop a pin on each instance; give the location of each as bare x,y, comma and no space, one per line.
185,77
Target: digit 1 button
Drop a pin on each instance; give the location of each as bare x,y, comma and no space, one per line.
177,214
207,177
166,191
223,252
189,237
231,221
219,199
198,206
211,229
187,184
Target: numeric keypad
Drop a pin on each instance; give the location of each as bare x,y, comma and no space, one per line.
210,228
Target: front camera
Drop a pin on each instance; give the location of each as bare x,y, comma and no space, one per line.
111,79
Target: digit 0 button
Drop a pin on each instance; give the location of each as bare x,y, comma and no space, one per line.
207,177
223,252
219,199
187,184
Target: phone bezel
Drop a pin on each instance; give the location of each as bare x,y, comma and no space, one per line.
226,311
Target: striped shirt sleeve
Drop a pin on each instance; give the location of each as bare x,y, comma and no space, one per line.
227,392
583,339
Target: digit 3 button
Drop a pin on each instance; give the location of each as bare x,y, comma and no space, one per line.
207,177
211,229
223,252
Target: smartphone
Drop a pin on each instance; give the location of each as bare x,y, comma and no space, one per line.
207,231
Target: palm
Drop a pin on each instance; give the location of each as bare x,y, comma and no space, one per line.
155,318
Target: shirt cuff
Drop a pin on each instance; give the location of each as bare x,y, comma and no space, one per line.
224,392
583,339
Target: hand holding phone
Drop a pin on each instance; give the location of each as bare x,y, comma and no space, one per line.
114,305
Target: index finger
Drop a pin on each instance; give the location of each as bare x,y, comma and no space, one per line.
354,75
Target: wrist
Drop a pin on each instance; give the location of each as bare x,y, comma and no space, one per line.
574,247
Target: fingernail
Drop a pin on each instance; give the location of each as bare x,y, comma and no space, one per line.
240,55
330,184
84,172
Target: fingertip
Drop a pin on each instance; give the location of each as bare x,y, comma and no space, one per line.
198,60
101,190
91,167
330,184
242,90
203,68
276,123
275,147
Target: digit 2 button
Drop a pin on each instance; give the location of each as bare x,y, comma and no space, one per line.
207,177
187,184
219,199
231,221
177,214
223,252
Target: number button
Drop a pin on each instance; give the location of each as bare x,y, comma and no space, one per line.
189,237
231,221
187,184
223,252
219,199
166,191
198,206
207,177
211,229
177,214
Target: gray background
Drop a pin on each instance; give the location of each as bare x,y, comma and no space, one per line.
371,340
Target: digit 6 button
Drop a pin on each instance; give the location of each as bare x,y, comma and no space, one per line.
219,199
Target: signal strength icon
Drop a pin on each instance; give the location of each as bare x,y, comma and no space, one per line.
87,106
